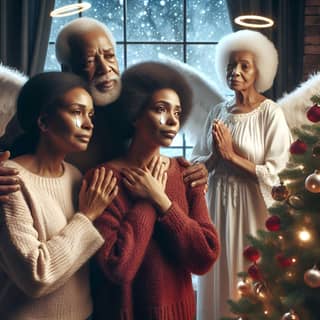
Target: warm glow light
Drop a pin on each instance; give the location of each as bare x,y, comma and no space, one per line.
70,9
266,312
286,181
301,166
280,237
254,21
294,260
304,235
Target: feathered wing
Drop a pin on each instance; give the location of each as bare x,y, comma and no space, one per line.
296,103
11,81
205,96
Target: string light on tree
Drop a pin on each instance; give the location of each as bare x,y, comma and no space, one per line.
284,261
304,235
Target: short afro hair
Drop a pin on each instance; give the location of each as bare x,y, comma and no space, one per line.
141,81
266,56
77,27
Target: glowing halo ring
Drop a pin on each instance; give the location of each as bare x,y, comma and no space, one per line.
70,9
265,22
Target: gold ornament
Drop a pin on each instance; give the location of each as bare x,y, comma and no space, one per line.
244,287
312,182
312,277
316,151
296,201
291,315
260,290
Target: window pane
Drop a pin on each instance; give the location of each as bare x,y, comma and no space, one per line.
160,20
51,61
141,52
207,20
172,152
188,153
58,23
189,139
202,57
178,140
120,58
109,12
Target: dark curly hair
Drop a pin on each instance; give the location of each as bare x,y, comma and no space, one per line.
41,93
140,82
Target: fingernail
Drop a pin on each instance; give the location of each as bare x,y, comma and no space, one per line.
192,184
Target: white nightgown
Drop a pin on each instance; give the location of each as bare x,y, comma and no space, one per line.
238,202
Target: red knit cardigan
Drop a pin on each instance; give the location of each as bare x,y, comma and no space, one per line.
147,261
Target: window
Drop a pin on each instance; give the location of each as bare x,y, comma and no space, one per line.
186,30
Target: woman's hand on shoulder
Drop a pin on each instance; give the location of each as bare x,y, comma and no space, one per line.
95,196
9,181
194,174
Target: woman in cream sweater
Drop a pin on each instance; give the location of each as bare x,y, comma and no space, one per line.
47,235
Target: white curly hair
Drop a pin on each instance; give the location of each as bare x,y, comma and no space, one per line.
265,54
77,27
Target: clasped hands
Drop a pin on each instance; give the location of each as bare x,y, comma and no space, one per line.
222,140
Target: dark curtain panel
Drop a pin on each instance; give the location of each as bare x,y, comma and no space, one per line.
24,33
286,34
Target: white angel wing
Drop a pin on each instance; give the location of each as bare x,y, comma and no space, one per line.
296,103
11,82
205,96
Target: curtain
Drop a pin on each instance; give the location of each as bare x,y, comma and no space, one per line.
24,33
287,34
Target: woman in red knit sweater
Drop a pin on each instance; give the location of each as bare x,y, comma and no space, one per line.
157,231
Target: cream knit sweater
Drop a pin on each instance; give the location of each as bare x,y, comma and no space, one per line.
44,247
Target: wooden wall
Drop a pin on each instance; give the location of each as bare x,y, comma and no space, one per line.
311,59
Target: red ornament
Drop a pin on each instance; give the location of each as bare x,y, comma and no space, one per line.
251,253
283,260
254,272
298,147
313,113
273,223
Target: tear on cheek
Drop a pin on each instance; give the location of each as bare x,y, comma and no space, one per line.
162,118
77,121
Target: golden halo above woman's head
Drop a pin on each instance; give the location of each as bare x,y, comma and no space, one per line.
254,21
70,9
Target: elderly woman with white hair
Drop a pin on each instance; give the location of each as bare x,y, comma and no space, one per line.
244,146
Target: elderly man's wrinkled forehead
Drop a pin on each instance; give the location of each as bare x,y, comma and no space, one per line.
93,38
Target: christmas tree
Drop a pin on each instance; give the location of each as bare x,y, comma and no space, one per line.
283,280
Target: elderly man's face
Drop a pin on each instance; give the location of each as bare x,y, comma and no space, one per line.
93,58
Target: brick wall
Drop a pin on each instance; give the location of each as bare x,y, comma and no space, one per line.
311,59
